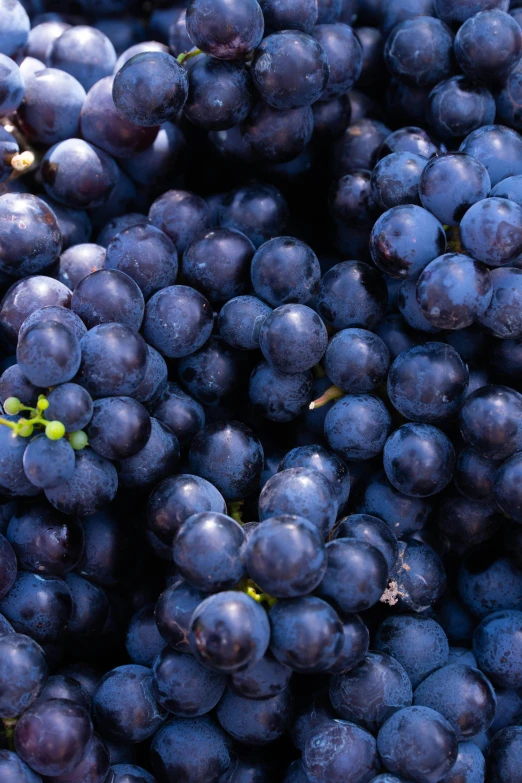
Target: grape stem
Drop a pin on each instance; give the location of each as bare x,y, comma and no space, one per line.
257,594
9,727
236,511
22,161
332,393
181,58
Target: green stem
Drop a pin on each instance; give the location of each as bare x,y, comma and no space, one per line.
332,393
184,56
235,510
9,727
11,424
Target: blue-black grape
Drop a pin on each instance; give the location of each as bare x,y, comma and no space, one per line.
419,575
372,691
255,721
12,85
90,609
72,405
490,421
108,295
52,736
183,686
458,106
208,550
320,459
39,606
176,499
130,773
372,530
58,88
451,183
259,211
418,742
496,644
419,460
119,428
285,556
352,294
79,261
418,643
497,148
182,215
289,15
491,231
282,338
178,321
61,686
93,768
356,575
84,52
31,237
191,748
143,640
428,383
8,565
462,695
226,30
396,178
219,94
394,245
77,174
277,135
48,463
356,427
214,373
124,705
344,56
229,631
92,485
412,36
45,541
280,396
488,44
155,461
488,583
15,28
14,770
290,69
338,749
173,613
218,264
150,88
8,148
240,321
356,360
262,680
306,634
183,415
23,670
48,354
114,360
301,492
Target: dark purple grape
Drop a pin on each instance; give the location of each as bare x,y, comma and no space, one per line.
31,237
92,485
52,736
45,541
143,640
23,670
72,405
183,686
39,606
146,254
78,174
107,296
236,27
255,722
190,748
114,360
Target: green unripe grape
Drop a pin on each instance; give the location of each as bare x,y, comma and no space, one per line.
25,428
12,405
42,404
78,440
55,430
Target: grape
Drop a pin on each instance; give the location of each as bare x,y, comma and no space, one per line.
48,463
344,57
418,742
8,566
179,412
65,93
359,145
229,631
371,692
182,215
285,556
42,36
419,574
488,219
24,673
48,354
93,768
14,770
52,736
176,499
108,295
306,634
240,321
114,360
279,396
129,773
357,427
371,530
124,706
90,606
15,27
78,174
173,613
504,754
418,643
456,13
458,106
277,135
119,428
72,405
92,485
497,148
12,85
404,515
147,255
219,94
320,459
155,461
352,294
488,44
12,475
450,184
143,640
395,179
84,52
26,251
236,28
183,686
60,686
337,749
356,575
208,550
255,722
212,374
356,360
39,606
413,446
301,492
218,264
191,748
44,541
427,383
259,211
33,295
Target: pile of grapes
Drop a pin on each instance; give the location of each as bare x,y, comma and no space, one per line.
261,391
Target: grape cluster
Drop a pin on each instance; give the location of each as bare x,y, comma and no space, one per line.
260,378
